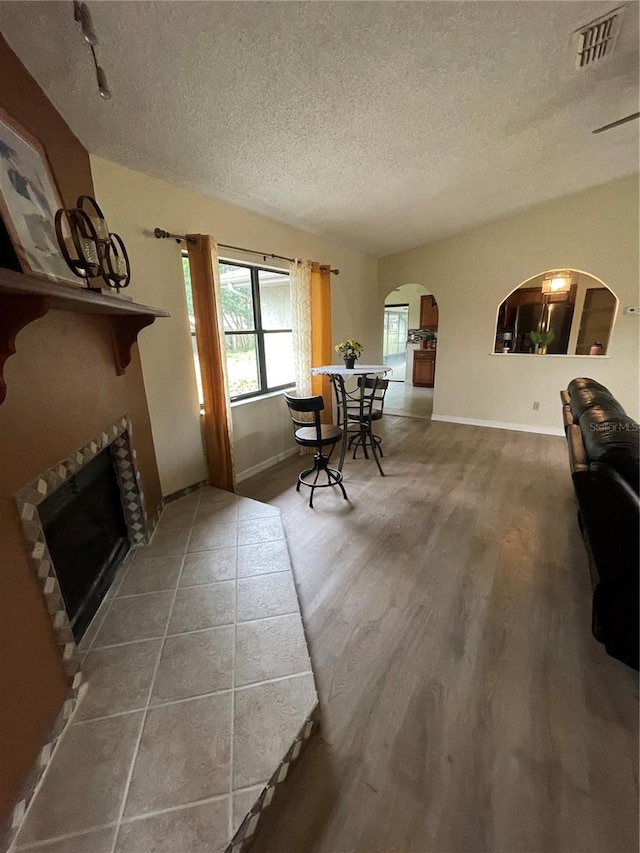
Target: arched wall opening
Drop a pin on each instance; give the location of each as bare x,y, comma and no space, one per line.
410,324
402,308
557,312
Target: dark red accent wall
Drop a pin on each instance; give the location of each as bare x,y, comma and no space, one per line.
62,390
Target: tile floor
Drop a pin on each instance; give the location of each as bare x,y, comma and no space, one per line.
197,680
403,400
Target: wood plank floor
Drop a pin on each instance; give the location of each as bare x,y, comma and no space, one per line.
465,706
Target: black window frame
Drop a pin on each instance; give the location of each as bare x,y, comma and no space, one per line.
258,332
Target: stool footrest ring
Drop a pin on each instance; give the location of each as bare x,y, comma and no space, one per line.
320,466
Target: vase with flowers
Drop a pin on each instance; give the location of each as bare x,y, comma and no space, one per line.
350,351
428,338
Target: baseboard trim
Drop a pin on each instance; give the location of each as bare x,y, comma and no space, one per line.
182,493
541,430
268,463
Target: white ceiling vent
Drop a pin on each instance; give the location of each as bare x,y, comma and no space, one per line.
597,40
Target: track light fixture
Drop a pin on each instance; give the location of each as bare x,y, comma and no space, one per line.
82,15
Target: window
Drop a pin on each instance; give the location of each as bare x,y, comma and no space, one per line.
396,330
256,310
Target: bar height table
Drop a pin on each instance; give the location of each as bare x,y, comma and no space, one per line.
354,401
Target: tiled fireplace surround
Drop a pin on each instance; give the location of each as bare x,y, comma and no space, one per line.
217,574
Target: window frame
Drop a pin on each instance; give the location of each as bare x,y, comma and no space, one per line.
258,332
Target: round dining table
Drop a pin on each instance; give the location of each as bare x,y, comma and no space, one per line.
345,399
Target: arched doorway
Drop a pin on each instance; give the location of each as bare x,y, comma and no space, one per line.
409,347
402,321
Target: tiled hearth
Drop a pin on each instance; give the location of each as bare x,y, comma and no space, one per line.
198,692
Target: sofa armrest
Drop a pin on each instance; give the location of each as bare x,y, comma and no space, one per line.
577,455
567,416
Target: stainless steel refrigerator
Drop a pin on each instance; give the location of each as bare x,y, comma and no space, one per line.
537,317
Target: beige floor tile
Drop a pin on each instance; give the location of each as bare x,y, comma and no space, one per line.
243,801
98,841
117,679
203,828
248,508
209,566
217,513
177,515
266,595
184,755
95,625
261,558
166,543
270,648
267,719
210,537
84,784
151,574
260,530
142,617
121,573
194,664
209,494
204,606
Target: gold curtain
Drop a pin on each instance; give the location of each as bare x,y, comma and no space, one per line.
321,345
205,288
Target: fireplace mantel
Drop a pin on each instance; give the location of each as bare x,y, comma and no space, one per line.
25,297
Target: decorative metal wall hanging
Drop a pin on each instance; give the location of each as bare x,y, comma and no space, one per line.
89,248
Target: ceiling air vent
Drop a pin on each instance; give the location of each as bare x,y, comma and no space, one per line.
597,40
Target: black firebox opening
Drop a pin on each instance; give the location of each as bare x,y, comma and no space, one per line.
86,535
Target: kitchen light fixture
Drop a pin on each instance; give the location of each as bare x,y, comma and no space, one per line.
82,15
557,282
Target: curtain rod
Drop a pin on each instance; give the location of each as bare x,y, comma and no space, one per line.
166,235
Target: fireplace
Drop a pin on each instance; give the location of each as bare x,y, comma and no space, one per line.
59,559
86,534
60,510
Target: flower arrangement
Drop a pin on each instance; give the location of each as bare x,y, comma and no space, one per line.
428,338
427,334
349,349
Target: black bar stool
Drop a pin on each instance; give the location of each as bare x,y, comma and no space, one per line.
372,410
355,409
314,434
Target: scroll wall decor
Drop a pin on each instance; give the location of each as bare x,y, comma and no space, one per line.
89,248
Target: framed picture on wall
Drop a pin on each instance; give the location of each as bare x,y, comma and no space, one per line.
28,202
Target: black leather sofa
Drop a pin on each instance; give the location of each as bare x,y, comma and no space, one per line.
604,455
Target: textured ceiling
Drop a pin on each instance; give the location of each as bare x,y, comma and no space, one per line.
380,126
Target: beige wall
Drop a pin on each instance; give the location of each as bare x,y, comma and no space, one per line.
595,231
470,274
408,294
134,204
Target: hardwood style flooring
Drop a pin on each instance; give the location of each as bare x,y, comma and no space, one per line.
465,706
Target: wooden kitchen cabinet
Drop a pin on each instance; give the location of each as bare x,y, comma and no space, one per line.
424,368
428,313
